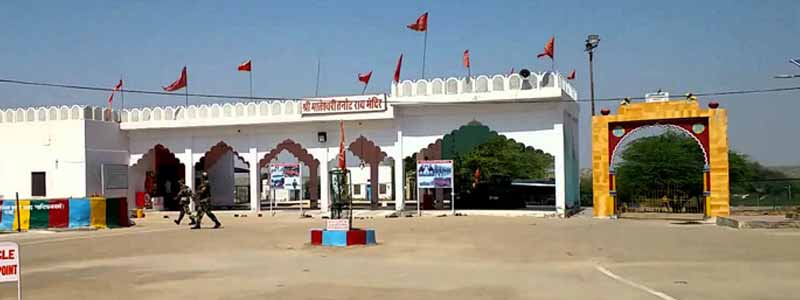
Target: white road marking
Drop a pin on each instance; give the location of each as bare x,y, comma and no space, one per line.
90,236
633,284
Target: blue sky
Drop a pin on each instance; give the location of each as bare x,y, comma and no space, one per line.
676,46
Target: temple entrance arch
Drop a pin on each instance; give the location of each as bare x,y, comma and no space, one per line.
156,174
310,168
228,176
708,127
492,171
675,186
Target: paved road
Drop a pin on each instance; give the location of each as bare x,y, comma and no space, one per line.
419,258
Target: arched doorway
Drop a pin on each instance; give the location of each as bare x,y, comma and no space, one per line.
290,152
156,174
491,172
375,175
228,176
708,127
361,179
659,169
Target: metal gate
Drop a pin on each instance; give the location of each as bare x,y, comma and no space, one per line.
667,200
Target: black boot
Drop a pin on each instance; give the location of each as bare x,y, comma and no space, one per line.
191,221
217,225
196,226
177,222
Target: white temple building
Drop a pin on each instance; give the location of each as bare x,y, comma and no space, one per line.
61,151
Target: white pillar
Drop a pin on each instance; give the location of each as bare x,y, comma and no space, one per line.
324,195
399,174
560,170
254,180
189,171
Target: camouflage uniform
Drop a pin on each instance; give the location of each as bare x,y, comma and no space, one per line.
204,205
185,196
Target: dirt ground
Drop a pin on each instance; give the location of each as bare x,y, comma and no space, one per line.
467,257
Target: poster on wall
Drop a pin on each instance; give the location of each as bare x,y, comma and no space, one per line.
285,176
434,174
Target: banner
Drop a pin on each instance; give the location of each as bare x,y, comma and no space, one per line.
285,176
338,105
97,212
434,174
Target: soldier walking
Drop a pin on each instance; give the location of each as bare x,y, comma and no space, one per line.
185,197
204,205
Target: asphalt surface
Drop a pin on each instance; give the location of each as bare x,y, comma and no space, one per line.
464,257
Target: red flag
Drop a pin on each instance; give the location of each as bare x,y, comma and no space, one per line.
421,24
179,83
246,66
466,58
397,70
116,89
549,48
571,75
512,71
342,163
364,77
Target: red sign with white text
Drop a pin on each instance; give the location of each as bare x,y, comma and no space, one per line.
9,262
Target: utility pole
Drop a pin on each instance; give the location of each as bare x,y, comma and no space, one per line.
591,42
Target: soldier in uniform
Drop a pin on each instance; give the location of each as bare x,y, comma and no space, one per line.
185,196
204,205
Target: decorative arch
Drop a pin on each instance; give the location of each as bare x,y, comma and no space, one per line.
708,127
302,155
159,149
461,140
372,154
212,155
701,140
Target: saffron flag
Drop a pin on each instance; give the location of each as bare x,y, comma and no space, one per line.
116,89
548,48
397,69
571,75
342,162
365,77
421,24
466,58
246,66
179,83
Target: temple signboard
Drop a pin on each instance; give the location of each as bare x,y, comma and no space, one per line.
340,105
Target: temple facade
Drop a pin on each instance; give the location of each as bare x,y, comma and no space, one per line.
61,152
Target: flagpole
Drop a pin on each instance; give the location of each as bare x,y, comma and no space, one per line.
316,90
424,51
186,89
251,80
122,93
365,88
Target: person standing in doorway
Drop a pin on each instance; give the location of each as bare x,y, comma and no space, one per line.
204,203
369,190
185,198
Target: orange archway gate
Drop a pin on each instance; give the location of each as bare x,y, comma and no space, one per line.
709,127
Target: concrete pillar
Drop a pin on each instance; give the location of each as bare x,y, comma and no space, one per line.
325,196
560,169
399,174
188,172
254,180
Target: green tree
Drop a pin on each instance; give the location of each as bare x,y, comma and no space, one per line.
501,157
652,164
